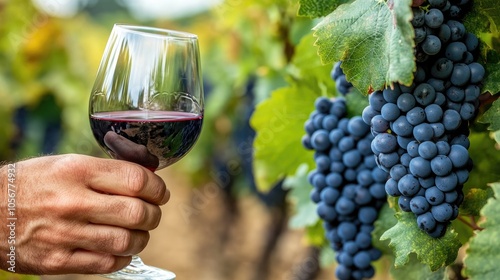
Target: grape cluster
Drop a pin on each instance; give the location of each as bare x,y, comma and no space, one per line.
421,131
342,85
348,185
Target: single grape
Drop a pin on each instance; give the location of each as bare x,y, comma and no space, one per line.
406,102
476,72
408,185
419,205
433,18
442,212
434,196
424,94
461,74
455,51
426,222
390,112
415,116
441,165
431,45
385,143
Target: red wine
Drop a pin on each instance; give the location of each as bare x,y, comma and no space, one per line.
153,139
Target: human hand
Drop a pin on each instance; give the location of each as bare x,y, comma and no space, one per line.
79,214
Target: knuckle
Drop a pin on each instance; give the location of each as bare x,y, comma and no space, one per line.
136,178
136,213
111,263
55,261
156,216
122,242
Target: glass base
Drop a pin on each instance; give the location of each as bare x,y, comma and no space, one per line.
138,270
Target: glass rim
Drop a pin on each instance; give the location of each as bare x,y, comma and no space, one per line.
156,31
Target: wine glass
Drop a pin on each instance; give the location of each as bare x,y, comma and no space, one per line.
146,105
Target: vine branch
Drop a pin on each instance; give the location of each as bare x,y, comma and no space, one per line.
472,223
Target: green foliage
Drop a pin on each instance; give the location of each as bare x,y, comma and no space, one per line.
12,276
371,37
474,201
318,8
279,120
299,195
406,238
492,116
279,123
482,255
415,270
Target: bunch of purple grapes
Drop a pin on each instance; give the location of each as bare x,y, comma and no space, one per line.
421,131
341,84
348,185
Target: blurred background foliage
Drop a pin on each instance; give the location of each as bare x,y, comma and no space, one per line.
50,51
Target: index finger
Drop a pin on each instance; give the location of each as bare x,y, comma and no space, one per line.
129,179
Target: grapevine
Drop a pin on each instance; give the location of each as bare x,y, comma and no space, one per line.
428,70
421,131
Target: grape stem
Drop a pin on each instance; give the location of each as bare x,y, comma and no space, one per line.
472,223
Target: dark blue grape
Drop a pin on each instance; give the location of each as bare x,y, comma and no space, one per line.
434,18
455,51
441,165
367,214
391,95
420,167
323,105
391,187
443,147
423,132
431,45
418,17
408,185
457,29
451,120
390,112
404,203
387,161
402,127
434,196
320,140
426,222
326,212
427,150
476,72
406,102
346,143
471,42
378,191
398,171
368,114
424,94
446,183
362,260
461,74
419,205
415,116
385,143
442,68
357,127
442,212
347,231
458,155
439,4
433,113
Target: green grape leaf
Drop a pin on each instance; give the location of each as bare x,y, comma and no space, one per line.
279,125
318,8
415,270
486,160
356,103
305,208
374,41
386,220
496,135
279,120
406,238
492,116
490,10
482,257
474,201
492,79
